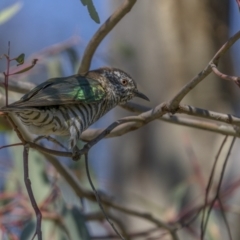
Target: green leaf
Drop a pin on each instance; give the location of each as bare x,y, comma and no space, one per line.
28,230
84,2
76,223
91,9
68,194
80,223
20,59
9,12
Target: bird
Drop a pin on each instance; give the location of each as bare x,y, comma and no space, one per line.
69,105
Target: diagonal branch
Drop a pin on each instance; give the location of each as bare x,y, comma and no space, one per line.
174,102
217,195
209,185
97,38
160,110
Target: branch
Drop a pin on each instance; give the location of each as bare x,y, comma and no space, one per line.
158,113
203,113
97,38
75,184
209,185
200,124
129,124
27,181
99,200
217,195
174,102
80,192
224,76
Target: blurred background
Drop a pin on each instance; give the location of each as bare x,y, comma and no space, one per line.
161,168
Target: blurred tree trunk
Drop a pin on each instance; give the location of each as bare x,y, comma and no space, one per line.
163,44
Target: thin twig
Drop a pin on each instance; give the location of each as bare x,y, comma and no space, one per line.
174,102
224,76
112,126
98,198
11,145
27,181
203,113
6,75
217,196
209,186
224,166
225,218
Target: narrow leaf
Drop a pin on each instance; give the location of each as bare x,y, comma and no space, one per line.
9,12
84,2
20,59
92,11
28,230
80,224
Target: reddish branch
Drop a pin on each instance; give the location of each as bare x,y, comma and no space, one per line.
225,76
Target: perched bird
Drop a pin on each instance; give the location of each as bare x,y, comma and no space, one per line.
69,105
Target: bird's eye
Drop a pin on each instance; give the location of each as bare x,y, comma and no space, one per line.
124,82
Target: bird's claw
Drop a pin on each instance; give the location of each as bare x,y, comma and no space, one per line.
76,153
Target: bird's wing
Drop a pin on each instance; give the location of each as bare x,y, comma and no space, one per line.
59,91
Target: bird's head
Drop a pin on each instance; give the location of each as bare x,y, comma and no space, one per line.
121,84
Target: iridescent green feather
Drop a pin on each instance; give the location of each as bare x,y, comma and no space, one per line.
59,91
90,91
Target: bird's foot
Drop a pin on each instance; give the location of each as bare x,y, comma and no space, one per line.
75,153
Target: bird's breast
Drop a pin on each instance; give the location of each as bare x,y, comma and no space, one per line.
58,120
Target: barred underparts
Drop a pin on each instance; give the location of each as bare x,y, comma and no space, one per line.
70,119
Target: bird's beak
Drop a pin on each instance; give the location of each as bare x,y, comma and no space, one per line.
141,95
